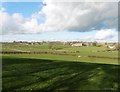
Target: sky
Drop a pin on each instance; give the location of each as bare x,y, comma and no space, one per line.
59,21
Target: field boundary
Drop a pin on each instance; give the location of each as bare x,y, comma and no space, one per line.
56,53
104,57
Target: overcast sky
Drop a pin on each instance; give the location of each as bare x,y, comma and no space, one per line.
62,21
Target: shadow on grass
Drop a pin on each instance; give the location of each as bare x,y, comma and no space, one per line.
40,74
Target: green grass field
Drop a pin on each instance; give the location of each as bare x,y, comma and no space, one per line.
59,72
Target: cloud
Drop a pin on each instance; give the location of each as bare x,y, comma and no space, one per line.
31,26
79,16
61,16
2,9
17,24
105,34
8,24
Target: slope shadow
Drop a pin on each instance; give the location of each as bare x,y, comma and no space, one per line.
41,74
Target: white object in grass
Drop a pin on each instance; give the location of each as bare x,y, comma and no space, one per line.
79,56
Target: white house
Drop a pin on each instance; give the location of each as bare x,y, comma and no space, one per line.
112,47
77,44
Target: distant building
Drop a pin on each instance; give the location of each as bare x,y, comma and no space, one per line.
87,44
111,47
90,44
77,44
117,47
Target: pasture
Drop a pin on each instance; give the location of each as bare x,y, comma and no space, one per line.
62,68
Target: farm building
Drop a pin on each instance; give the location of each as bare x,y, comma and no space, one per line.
82,44
77,44
113,47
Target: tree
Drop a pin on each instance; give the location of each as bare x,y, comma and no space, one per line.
94,43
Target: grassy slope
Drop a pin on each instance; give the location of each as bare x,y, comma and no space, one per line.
83,52
59,72
41,74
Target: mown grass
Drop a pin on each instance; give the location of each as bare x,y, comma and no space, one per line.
66,58
41,74
59,72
